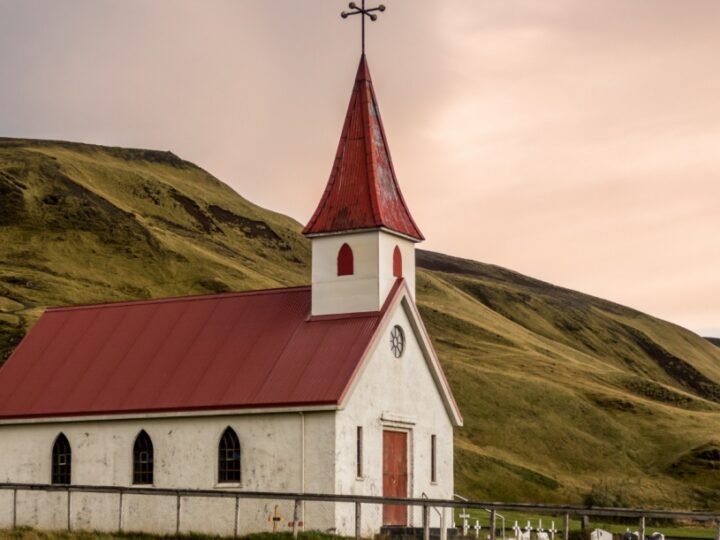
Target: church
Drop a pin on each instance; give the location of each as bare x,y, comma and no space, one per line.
329,388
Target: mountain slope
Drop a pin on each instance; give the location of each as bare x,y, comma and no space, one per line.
566,397
562,391
84,224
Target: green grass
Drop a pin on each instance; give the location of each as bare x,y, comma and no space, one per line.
34,534
690,530
567,398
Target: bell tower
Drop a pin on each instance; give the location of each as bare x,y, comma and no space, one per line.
363,236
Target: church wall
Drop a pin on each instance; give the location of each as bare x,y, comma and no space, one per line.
96,511
185,453
396,394
42,510
6,508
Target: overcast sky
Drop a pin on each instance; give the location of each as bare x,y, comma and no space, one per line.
576,141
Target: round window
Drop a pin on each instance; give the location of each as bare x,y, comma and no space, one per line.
397,341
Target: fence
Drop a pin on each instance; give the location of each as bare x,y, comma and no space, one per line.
358,502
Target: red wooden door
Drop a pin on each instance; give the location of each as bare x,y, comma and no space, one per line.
395,476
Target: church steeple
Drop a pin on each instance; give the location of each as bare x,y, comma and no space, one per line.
362,192
363,236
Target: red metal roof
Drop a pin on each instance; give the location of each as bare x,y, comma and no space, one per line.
362,192
235,350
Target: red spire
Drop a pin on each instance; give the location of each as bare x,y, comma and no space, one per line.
363,192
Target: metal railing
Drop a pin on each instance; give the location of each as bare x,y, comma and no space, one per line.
359,500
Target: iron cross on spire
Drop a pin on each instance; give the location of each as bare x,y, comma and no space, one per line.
362,11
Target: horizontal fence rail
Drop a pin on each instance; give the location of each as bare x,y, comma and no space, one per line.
358,500
322,497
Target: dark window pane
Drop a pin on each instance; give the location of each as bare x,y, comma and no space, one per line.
433,458
229,457
61,461
143,459
359,452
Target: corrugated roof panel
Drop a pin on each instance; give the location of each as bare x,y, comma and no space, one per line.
356,334
258,349
100,339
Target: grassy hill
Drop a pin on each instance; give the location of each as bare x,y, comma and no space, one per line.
566,397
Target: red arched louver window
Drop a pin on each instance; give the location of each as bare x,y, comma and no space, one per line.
397,262
345,263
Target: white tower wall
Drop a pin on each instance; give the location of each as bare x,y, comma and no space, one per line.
369,285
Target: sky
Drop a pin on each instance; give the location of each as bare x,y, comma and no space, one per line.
575,141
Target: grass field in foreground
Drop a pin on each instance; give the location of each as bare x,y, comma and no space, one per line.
34,534
673,530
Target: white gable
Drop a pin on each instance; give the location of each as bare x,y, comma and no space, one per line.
416,374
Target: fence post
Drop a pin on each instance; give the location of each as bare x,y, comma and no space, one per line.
296,518
642,528
566,527
177,514
120,512
237,515
717,533
69,500
358,519
14,508
443,527
426,521
493,524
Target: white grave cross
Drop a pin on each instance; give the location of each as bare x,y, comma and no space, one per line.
553,531
465,517
541,534
527,534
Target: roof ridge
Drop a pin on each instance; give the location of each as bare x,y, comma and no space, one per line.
171,299
367,100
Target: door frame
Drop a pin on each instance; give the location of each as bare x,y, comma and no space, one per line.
402,427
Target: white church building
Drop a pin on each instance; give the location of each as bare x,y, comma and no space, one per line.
332,388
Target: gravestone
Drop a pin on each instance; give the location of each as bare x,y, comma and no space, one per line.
600,534
627,535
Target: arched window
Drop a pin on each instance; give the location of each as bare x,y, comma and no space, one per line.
61,460
345,263
143,459
397,262
229,457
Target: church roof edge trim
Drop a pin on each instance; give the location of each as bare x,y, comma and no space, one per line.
170,413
